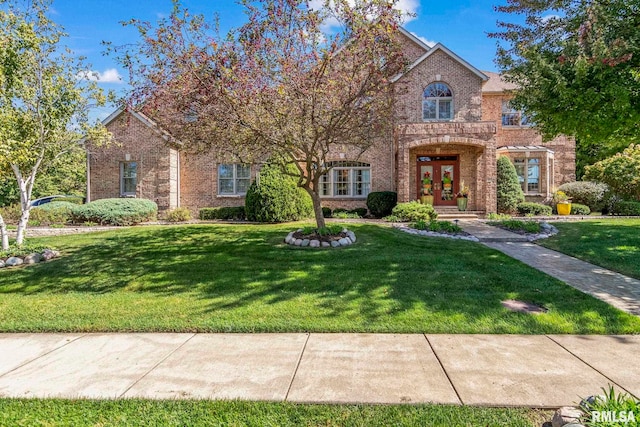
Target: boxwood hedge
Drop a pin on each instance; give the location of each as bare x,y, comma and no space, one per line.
115,211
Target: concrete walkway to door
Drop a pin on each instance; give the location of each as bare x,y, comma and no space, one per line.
613,288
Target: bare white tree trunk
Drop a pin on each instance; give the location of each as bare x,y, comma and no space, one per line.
25,187
3,235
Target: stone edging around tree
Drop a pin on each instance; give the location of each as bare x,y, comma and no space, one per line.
347,238
33,258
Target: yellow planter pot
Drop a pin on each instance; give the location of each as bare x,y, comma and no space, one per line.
427,200
563,208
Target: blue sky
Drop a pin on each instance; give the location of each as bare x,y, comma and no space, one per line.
461,25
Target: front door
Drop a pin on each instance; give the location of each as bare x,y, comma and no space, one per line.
438,177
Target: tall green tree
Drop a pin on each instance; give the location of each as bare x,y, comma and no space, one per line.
277,86
577,64
44,99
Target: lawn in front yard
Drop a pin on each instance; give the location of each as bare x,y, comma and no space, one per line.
609,243
17,412
243,278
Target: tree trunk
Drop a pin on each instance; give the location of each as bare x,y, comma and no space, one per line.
317,208
25,201
22,226
3,235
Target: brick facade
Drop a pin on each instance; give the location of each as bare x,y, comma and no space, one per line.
134,141
173,177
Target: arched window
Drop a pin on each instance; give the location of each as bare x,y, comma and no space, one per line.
346,179
437,102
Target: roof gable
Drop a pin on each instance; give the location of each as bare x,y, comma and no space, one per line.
144,120
442,48
414,39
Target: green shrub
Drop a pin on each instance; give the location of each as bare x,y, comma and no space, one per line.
53,213
226,213
277,197
610,402
498,216
115,211
326,212
625,208
518,225
392,218
436,226
530,208
620,172
509,191
587,193
361,212
578,209
343,214
381,203
414,211
11,213
178,215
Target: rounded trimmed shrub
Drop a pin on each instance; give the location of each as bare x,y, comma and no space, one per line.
620,172
178,215
381,203
587,193
578,209
277,197
225,212
414,211
115,211
625,208
530,208
509,191
326,212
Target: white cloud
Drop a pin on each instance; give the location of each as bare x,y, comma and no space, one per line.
110,75
424,40
548,18
409,9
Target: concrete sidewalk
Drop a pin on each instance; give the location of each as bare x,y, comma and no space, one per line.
613,288
495,370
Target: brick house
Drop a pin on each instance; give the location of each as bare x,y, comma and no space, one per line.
451,122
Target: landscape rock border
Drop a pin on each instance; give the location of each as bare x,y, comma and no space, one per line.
347,240
33,258
426,233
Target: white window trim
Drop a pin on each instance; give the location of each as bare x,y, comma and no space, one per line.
235,180
122,178
526,174
330,175
437,99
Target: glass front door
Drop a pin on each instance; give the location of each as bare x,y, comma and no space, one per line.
438,179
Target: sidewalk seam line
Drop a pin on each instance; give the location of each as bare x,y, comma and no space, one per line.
588,364
156,365
455,390
295,371
43,355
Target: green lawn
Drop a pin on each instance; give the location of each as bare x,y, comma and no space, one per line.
609,243
206,413
219,278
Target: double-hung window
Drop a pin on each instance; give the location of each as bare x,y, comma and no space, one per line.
346,179
512,117
233,179
528,174
437,102
128,179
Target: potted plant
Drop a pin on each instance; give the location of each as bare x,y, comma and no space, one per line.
427,195
462,197
563,202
